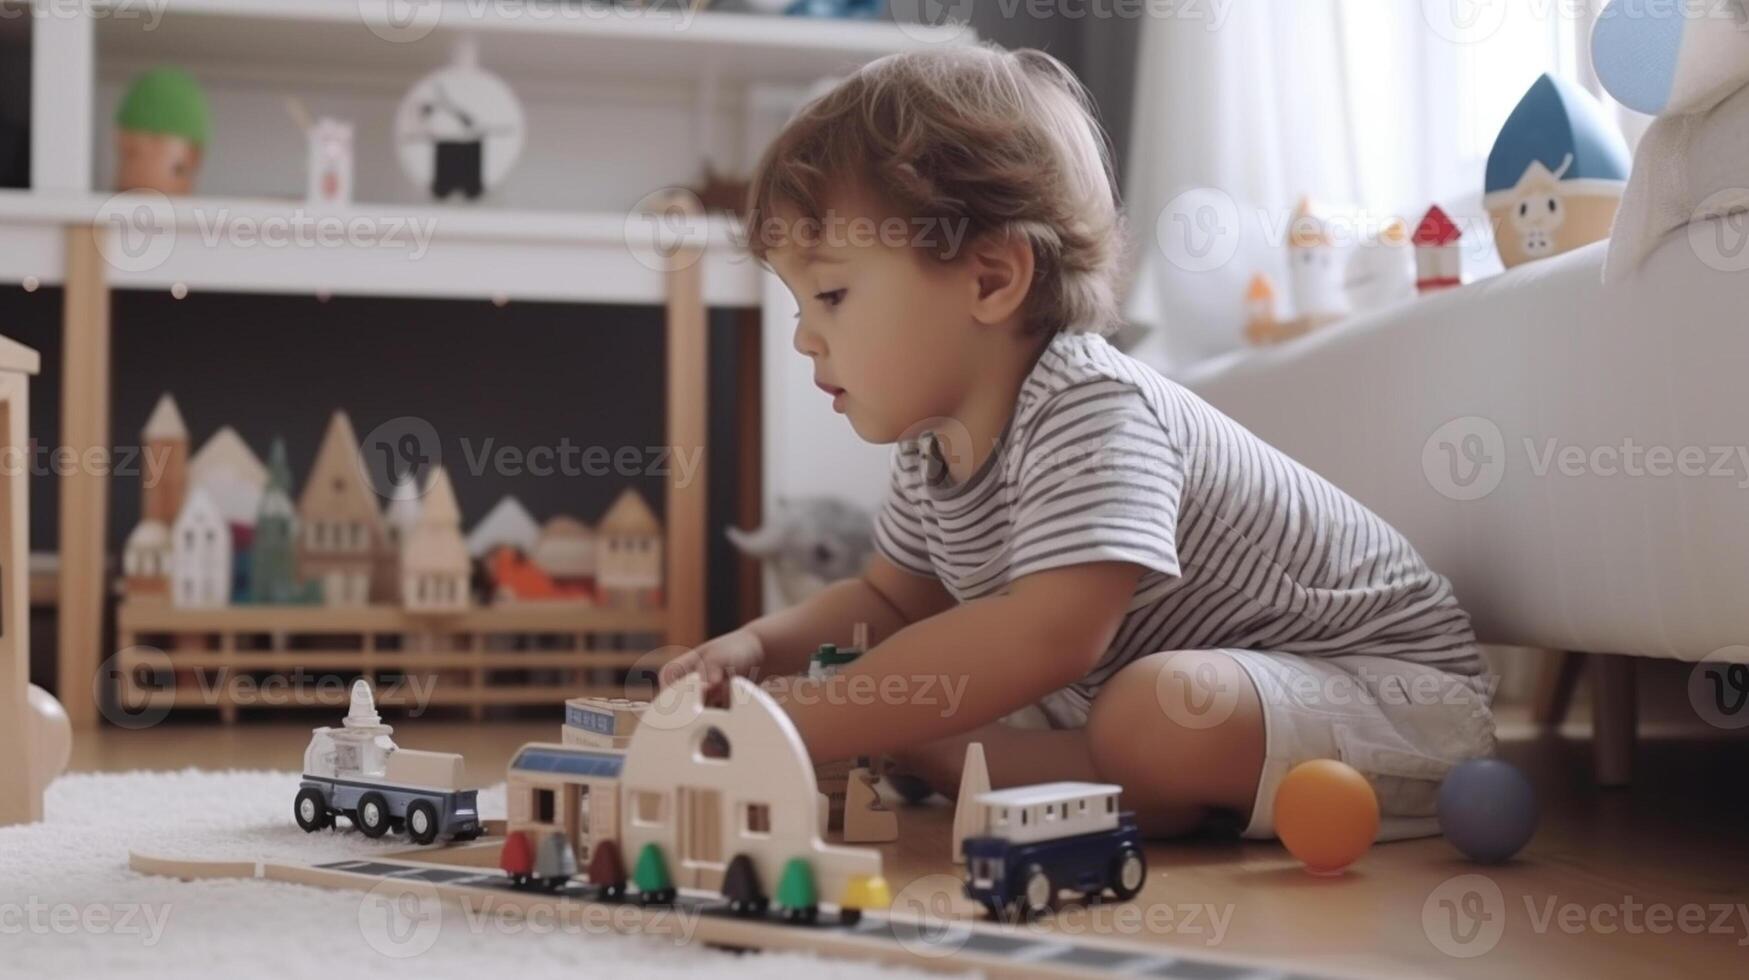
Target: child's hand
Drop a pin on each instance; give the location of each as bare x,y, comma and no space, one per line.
737,654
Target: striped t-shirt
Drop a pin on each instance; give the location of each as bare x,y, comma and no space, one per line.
1242,547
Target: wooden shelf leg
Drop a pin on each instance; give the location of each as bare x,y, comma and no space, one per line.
1614,717
688,343
85,489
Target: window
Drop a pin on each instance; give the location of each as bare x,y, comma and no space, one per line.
1111,804
1023,815
999,816
757,822
712,745
543,805
647,808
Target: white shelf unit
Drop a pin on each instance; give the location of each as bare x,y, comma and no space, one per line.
619,105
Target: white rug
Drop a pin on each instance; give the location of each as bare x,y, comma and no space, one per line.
70,907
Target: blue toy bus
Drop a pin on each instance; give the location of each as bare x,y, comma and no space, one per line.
1040,840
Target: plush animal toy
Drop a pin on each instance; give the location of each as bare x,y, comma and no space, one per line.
810,543
1692,163
1555,175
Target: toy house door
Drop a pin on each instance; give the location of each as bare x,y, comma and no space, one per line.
700,830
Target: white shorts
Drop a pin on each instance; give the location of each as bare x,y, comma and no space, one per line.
1402,725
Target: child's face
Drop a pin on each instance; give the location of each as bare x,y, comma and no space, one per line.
890,330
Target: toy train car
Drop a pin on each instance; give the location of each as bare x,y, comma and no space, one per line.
1040,840
356,771
704,798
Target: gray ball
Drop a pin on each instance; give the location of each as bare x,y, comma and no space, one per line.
1487,809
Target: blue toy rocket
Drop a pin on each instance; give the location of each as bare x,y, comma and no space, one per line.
1555,174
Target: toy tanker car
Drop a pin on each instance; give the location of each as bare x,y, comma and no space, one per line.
1039,840
356,771
703,798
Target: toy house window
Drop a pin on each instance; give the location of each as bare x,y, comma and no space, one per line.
1083,810
647,808
543,805
758,819
1023,814
712,745
1111,804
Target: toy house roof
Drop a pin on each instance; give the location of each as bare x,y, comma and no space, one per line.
149,533
1559,125
336,488
507,523
1436,228
165,423
564,526
14,356
226,453
630,515
199,507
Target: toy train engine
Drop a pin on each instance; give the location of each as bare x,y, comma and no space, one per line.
1040,840
709,799
356,771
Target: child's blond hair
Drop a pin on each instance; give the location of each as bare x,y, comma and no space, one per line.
987,140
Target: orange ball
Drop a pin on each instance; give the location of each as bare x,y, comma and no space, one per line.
1326,814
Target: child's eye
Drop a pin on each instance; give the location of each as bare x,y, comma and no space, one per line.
831,297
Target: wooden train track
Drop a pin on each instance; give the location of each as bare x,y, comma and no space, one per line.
895,937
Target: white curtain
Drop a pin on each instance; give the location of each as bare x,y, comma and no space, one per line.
1373,110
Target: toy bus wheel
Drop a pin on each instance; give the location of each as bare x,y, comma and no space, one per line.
373,814
421,822
312,811
1036,892
1129,871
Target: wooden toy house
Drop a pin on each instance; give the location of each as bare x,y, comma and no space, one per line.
565,551
403,511
434,561
231,474
1439,262
342,543
200,554
629,554
145,560
507,524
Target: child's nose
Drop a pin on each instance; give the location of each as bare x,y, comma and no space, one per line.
807,341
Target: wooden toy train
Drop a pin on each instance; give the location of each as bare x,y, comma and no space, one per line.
357,771
1039,840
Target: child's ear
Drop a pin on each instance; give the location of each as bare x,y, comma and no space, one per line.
1002,267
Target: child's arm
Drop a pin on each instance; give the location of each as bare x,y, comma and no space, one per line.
967,666
884,597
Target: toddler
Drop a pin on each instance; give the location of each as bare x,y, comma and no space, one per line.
1079,563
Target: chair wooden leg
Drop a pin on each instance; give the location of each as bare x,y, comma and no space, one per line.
1614,716
1554,687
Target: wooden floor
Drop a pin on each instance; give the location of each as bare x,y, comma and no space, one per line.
1651,881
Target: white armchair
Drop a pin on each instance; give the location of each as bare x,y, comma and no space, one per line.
1573,455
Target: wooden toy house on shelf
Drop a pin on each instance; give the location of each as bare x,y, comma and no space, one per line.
289,609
